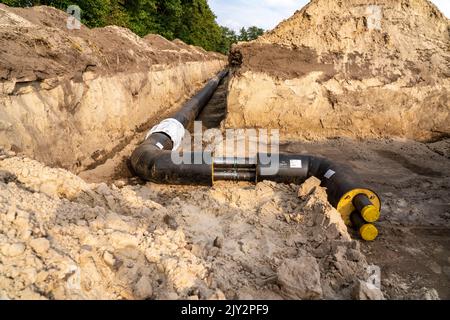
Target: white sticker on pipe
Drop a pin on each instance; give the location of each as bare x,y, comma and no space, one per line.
159,145
329,174
173,128
296,164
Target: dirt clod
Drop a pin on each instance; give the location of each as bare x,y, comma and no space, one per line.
300,278
366,291
171,222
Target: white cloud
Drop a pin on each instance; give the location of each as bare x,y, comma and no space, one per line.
268,13
262,13
444,6
282,3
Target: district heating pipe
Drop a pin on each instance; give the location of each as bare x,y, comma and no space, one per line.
358,205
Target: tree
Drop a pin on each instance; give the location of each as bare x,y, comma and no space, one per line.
228,38
250,34
142,16
243,35
254,32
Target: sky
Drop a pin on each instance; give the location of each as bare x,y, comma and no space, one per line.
266,14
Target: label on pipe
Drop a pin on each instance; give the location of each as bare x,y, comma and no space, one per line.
296,164
329,174
173,128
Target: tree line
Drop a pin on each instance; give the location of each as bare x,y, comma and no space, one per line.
191,21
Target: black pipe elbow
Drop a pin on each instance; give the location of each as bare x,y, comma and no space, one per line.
145,156
155,165
153,159
342,184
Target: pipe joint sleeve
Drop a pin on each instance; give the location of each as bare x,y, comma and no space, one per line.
173,128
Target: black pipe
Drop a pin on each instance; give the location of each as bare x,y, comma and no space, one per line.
235,162
153,161
191,109
235,175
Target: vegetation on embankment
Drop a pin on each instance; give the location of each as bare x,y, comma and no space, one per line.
192,21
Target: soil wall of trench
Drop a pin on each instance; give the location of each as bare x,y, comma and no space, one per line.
71,98
94,117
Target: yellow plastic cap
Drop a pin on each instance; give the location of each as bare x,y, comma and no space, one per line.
368,232
370,213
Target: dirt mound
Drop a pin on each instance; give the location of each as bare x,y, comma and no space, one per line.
348,68
386,39
37,45
161,43
63,238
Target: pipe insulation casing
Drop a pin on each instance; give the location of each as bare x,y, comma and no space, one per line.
283,168
192,108
153,159
171,127
339,179
367,231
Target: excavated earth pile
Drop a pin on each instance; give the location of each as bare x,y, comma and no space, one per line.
64,238
87,91
347,68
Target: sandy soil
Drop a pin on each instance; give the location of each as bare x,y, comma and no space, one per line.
347,69
67,238
36,45
104,234
412,179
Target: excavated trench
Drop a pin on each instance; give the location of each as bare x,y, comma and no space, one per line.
112,235
117,166
131,239
414,223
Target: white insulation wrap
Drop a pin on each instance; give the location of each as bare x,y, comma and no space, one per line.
173,128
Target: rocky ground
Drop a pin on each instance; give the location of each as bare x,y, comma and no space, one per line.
413,181
64,238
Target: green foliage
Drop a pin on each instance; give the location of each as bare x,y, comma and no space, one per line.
189,20
254,32
229,37
243,35
250,34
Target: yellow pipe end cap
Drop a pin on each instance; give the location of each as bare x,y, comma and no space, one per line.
370,213
368,232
